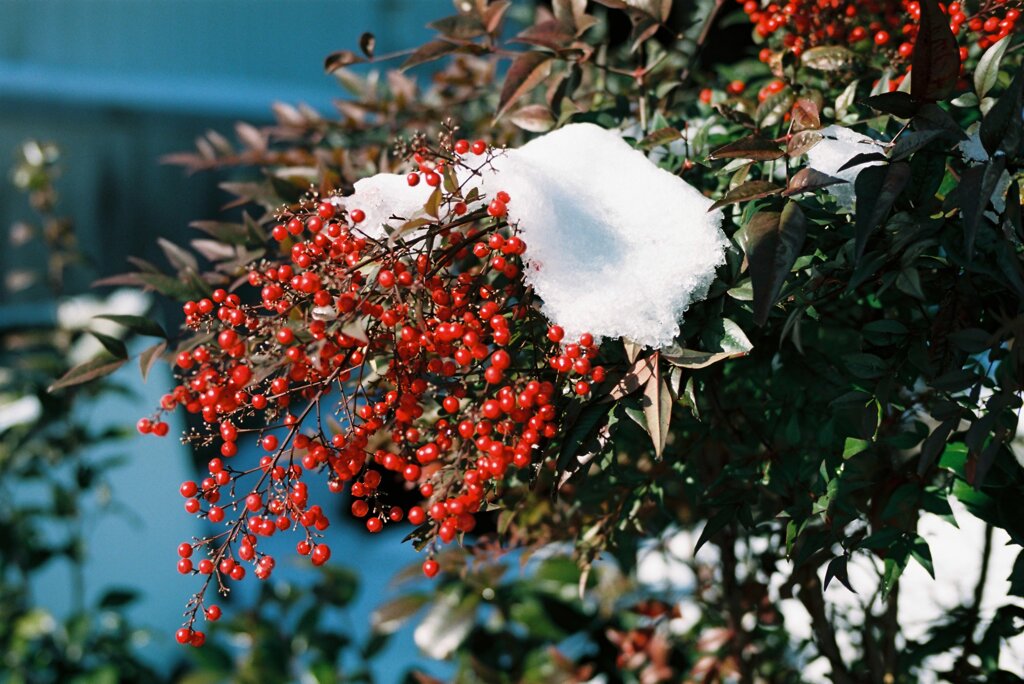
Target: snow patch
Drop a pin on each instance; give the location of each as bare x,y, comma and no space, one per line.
839,146
616,246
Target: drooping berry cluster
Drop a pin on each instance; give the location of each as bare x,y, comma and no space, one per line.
423,348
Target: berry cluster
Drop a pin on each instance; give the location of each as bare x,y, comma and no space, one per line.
424,349
886,28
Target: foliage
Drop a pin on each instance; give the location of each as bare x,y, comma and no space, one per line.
849,372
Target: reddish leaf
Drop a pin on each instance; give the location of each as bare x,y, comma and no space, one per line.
460,26
809,180
657,406
805,115
90,370
755,189
494,14
148,358
528,70
428,52
936,61
751,147
802,142
535,118
549,34
339,59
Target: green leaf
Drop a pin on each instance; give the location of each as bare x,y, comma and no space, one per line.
714,525
896,103
115,598
854,446
977,183
140,325
837,569
98,367
1000,129
936,60
657,406
774,241
391,615
877,188
114,346
828,58
987,71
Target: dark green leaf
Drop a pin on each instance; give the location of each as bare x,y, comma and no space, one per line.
774,241
114,346
936,60
977,183
877,189
896,103
140,325
1000,129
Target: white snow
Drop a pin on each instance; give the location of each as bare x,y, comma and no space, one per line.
839,146
616,246
387,199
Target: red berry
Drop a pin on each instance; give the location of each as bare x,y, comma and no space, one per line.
413,179
430,567
479,147
357,215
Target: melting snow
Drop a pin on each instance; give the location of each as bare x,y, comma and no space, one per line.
839,146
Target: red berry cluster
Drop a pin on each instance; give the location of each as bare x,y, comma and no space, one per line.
425,350
887,28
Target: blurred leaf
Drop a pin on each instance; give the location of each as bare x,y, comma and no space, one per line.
527,71
391,615
367,42
140,325
428,52
114,346
149,357
341,58
98,367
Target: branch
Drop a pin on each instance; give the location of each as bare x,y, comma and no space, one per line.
813,598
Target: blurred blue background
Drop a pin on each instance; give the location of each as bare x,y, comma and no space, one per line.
116,84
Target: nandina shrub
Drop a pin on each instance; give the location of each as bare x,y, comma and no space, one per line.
849,376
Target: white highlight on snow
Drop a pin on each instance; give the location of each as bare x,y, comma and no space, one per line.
839,146
616,246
